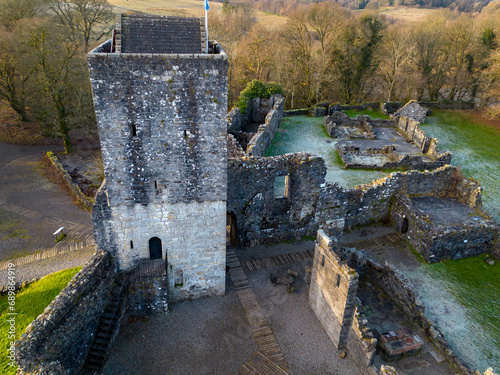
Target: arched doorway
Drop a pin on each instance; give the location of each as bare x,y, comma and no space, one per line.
155,248
404,226
231,228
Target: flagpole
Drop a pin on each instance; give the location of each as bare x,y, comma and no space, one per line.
206,26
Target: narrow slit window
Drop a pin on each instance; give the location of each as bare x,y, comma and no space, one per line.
281,184
131,244
338,281
134,130
323,261
156,185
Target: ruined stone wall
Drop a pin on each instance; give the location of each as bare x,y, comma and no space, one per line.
448,105
161,120
59,339
234,149
235,120
361,343
332,293
435,242
397,287
261,141
429,146
359,107
260,215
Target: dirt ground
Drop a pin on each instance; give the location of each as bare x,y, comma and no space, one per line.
86,169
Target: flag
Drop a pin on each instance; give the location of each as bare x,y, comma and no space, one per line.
206,5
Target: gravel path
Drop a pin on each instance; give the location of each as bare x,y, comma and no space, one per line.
204,336
36,270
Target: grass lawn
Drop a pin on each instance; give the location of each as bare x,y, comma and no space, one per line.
352,113
30,302
475,144
463,297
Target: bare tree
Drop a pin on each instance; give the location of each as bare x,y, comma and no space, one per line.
12,11
396,51
90,18
58,67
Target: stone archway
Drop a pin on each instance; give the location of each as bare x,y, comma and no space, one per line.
155,251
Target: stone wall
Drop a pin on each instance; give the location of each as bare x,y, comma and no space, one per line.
235,120
332,293
361,343
261,216
261,141
161,121
358,107
428,145
448,105
147,289
397,287
436,242
310,202
350,156
59,339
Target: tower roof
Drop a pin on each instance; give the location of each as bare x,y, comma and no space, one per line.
160,34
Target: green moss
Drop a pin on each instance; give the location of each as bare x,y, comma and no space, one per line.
414,251
337,159
170,81
30,302
308,238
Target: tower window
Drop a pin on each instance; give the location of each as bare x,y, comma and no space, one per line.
134,130
131,244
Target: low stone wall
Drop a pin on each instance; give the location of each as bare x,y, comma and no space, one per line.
394,159
448,105
261,141
297,112
358,107
59,339
65,179
428,145
332,293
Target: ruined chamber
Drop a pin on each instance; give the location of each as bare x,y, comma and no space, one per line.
160,102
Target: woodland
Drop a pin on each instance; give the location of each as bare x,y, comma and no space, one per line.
322,52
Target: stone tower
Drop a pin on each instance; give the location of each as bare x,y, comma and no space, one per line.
161,104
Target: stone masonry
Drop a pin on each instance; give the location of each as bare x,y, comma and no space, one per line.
161,120
332,294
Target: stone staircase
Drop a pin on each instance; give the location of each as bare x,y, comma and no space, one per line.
107,329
